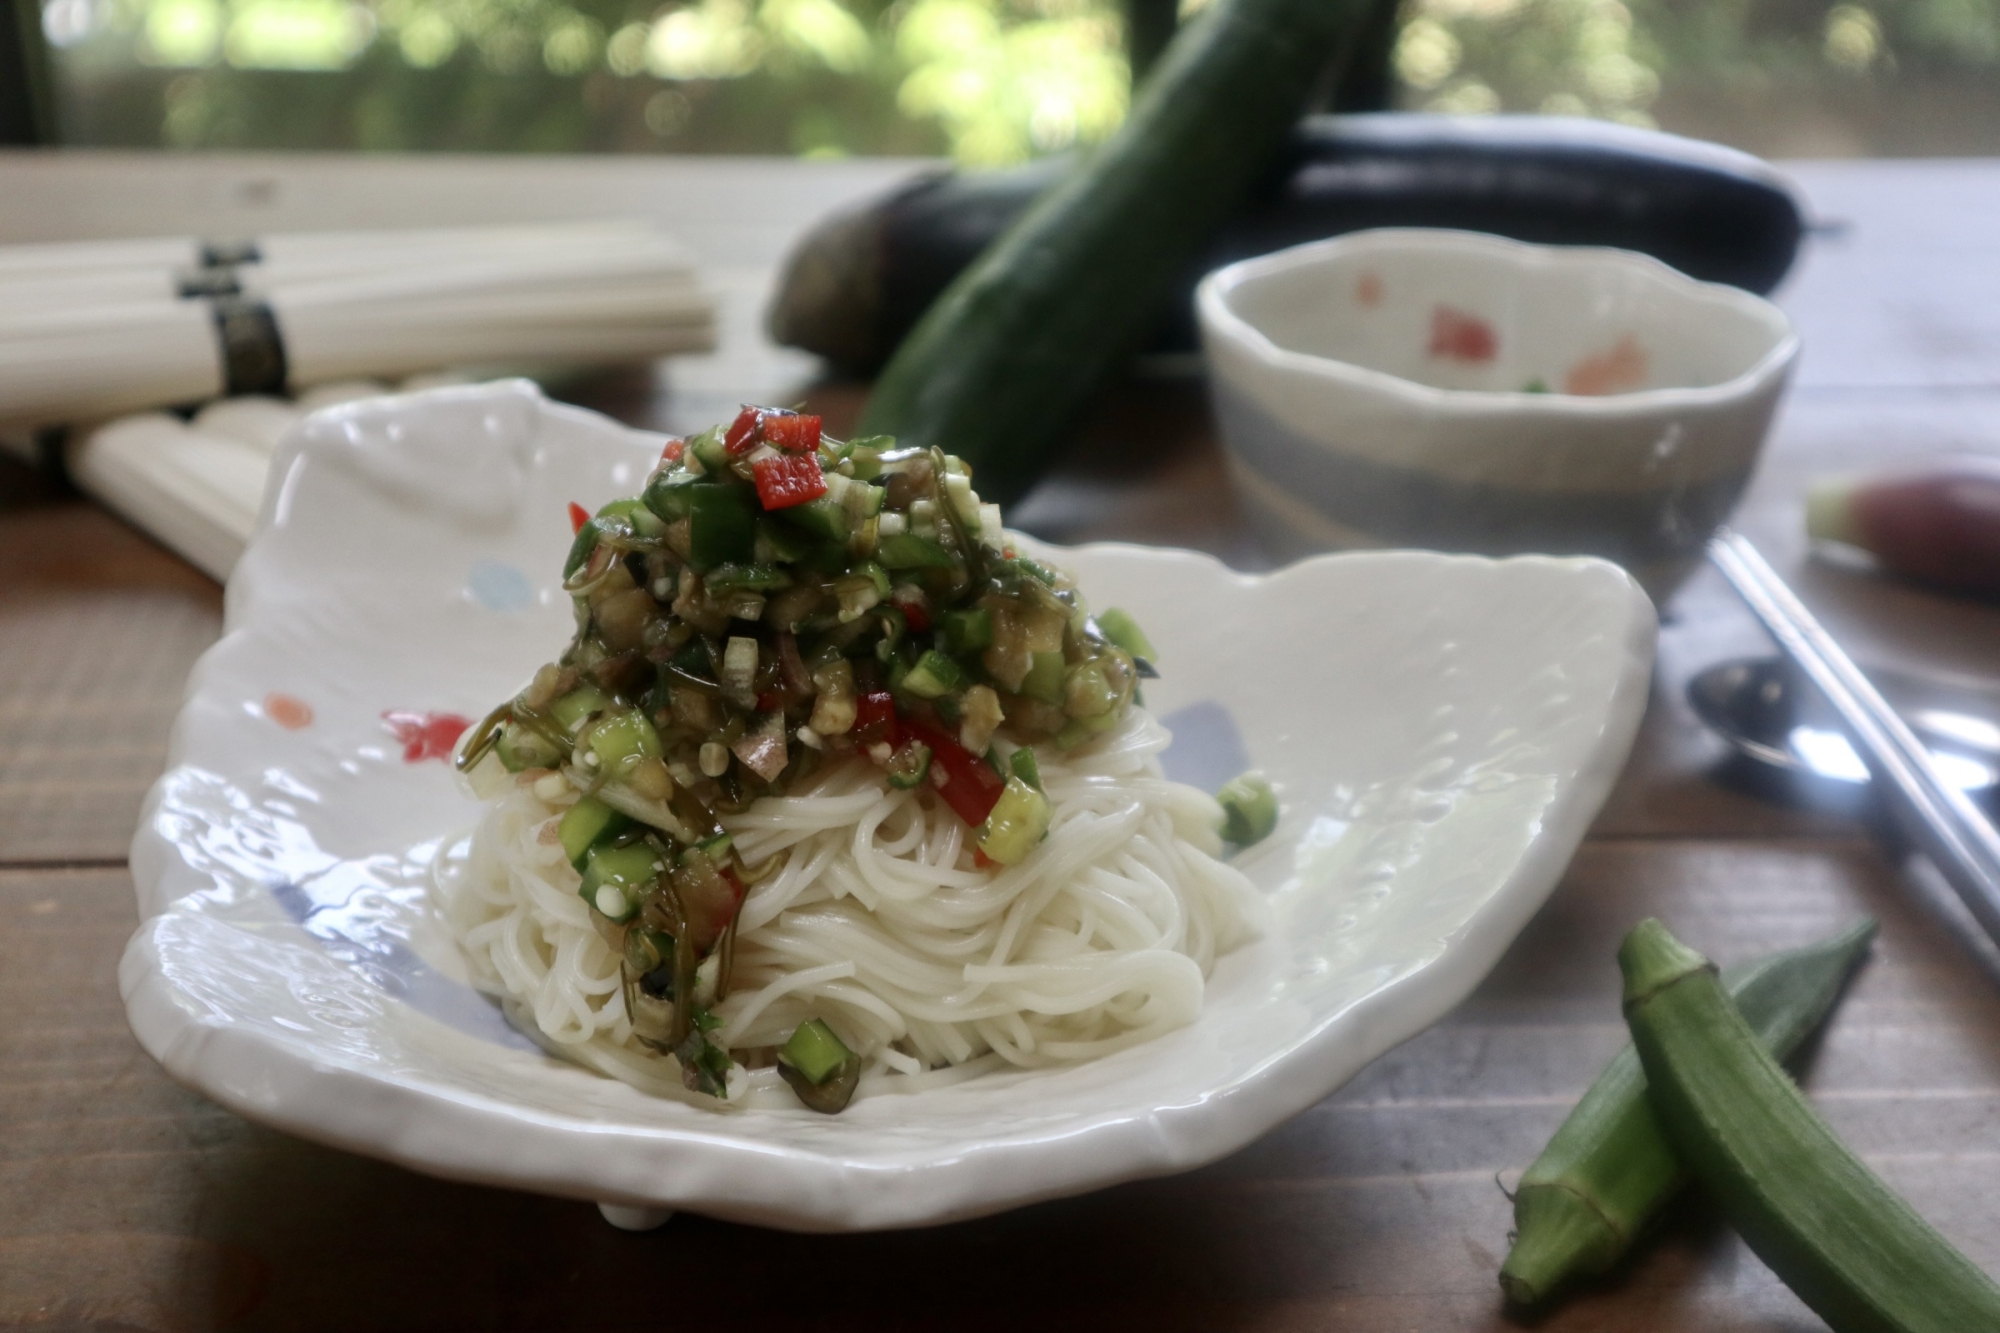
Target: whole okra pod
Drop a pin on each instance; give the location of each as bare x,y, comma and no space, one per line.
1844,1242
1609,1169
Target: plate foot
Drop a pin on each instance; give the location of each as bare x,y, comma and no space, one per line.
629,1218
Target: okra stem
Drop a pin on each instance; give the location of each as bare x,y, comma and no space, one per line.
1609,1169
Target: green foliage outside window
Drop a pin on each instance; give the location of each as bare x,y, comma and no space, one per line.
1780,75
988,81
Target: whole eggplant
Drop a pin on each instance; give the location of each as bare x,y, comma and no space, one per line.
861,279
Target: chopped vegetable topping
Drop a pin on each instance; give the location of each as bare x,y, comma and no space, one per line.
1121,629
775,601
578,516
819,1067
815,1051
784,480
1019,820
791,432
1249,809
742,435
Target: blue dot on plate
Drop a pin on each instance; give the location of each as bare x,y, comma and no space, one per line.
500,587
1208,749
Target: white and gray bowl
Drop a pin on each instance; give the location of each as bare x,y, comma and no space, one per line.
1460,392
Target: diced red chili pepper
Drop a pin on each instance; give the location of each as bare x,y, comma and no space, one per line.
770,701
875,718
792,432
982,860
914,613
673,452
971,787
578,516
788,479
741,437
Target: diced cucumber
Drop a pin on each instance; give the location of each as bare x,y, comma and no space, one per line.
1022,765
778,544
668,494
573,708
708,447
623,739
522,748
815,1051
934,676
587,823
1044,681
752,577
615,879
864,456
634,515
1019,820
968,632
1249,809
1121,629
907,551
858,500
823,518
717,847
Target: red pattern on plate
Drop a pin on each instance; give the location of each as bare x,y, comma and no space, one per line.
1460,336
426,735
289,713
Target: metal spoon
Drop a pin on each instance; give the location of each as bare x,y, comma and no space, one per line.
1763,708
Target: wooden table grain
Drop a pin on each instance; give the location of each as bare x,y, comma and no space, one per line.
128,1203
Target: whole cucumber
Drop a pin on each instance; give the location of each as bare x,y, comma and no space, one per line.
1844,1242
860,280
1002,362
1609,1170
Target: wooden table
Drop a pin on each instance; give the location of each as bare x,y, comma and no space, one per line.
127,1202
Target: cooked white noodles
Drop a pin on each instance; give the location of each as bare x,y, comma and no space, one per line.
874,918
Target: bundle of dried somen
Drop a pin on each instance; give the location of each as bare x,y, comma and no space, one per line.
91,330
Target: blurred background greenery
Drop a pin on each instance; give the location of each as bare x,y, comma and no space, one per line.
987,81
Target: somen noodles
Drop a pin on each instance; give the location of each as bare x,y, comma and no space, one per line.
833,789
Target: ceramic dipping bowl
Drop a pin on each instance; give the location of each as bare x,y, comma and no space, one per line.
1461,392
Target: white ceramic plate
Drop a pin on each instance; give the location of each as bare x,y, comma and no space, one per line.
1441,729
